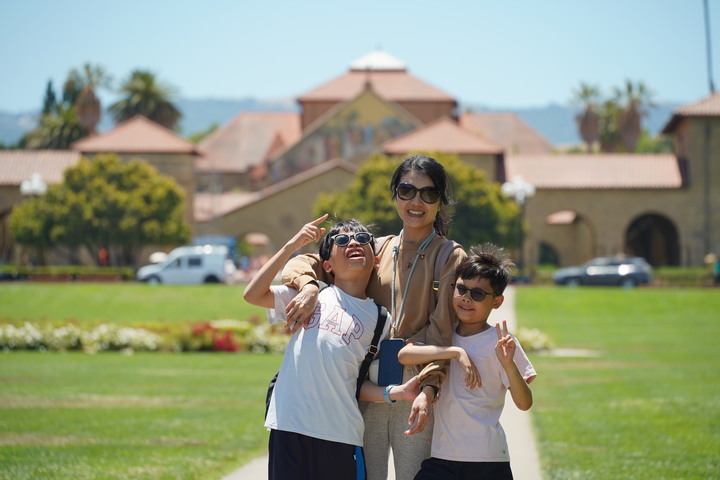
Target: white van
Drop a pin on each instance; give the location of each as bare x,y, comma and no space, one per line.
191,265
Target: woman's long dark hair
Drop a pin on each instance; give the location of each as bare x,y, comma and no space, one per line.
436,172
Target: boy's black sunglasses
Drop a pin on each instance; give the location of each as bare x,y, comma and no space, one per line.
407,191
343,239
477,294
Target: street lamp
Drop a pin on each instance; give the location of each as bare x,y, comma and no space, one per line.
33,187
519,190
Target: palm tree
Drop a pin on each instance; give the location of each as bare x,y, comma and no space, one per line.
87,104
588,122
79,91
56,130
635,98
143,95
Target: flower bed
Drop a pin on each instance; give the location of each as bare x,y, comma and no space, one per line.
218,335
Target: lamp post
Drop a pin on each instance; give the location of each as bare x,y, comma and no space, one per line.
33,187
519,190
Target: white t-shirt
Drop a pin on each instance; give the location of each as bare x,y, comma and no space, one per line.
315,391
467,422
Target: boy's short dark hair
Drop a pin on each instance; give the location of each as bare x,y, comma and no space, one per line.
351,225
487,261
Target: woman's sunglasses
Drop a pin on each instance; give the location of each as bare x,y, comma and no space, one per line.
344,239
407,191
477,294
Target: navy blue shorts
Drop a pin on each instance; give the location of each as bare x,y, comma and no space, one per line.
439,469
299,457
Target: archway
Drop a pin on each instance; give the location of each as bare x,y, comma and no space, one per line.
548,255
655,238
571,237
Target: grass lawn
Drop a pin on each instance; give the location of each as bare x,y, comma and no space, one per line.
648,405
144,416
129,303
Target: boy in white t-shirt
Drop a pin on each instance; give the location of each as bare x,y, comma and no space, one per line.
316,428
468,440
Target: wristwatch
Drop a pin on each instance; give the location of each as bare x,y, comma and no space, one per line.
386,394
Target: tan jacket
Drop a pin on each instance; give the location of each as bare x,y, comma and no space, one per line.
421,320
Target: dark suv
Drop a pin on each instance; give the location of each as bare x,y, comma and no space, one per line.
623,271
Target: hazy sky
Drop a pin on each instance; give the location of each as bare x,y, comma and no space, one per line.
502,53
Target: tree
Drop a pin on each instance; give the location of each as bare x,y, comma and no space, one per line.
50,101
87,104
143,95
610,127
617,121
78,114
55,131
481,213
105,203
589,121
634,99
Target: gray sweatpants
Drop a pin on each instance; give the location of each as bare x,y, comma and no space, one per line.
385,424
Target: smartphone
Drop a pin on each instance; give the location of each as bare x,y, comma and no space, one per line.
391,370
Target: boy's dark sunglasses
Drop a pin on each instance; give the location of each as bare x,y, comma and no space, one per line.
407,191
477,294
343,239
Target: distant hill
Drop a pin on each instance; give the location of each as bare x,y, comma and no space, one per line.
555,122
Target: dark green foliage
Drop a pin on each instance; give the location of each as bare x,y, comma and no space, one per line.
104,203
481,213
144,95
56,130
50,101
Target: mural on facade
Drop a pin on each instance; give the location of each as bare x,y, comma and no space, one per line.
351,133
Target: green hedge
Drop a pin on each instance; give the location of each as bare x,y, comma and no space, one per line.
67,272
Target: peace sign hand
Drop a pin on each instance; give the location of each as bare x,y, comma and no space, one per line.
505,347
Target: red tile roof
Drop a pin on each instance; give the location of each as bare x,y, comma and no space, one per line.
442,135
596,171
507,129
247,140
395,85
707,107
561,217
137,135
19,165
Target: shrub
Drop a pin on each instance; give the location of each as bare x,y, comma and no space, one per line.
227,335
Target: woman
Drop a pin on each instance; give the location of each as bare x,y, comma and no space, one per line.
404,285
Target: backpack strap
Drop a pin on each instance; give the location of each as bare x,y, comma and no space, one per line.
372,351
440,262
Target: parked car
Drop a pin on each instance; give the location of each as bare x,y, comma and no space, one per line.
190,265
624,271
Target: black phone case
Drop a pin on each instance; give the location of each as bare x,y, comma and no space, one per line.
391,370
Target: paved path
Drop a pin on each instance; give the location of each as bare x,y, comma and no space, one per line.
524,456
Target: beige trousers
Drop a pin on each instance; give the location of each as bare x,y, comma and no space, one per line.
385,424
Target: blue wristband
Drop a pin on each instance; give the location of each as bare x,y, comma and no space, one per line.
386,394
